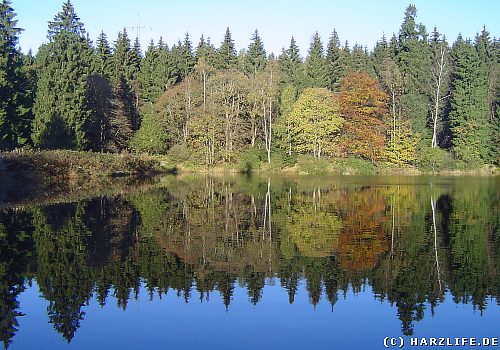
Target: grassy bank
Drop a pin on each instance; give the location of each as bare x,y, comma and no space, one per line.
346,166
47,173
50,174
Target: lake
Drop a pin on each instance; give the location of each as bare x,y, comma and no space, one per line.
237,262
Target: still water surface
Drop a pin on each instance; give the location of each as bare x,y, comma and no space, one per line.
254,263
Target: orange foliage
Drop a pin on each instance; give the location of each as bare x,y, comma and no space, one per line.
363,105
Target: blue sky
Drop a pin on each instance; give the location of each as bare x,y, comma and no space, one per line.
363,22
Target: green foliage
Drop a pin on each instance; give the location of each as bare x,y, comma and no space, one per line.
178,154
315,66
402,148
312,165
333,52
469,121
152,136
255,58
226,54
315,121
291,67
354,166
250,159
14,107
433,159
61,107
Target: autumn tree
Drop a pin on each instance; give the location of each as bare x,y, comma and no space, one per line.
363,106
228,90
315,122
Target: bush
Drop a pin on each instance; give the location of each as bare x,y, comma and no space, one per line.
433,159
178,154
355,166
250,160
310,165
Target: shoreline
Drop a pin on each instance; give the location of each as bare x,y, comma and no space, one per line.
25,175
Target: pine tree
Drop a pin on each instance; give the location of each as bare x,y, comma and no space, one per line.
332,60
316,68
61,107
468,117
255,58
226,55
14,114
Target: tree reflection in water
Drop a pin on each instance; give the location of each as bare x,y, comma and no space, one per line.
412,243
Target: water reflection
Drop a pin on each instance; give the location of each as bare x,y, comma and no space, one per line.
415,242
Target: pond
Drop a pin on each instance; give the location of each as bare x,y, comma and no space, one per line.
237,262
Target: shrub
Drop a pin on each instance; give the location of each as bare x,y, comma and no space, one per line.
178,154
249,160
433,159
353,165
310,165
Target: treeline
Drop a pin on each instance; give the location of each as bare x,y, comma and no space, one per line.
412,99
201,236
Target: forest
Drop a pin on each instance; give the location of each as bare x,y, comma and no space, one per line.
415,99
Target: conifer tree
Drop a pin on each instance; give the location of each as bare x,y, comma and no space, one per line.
226,55
124,83
468,117
61,107
345,60
14,112
413,57
166,73
104,58
316,68
187,59
290,65
332,60
149,90
255,58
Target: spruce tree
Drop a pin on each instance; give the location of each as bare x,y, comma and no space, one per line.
413,57
468,117
226,55
14,114
186,58
291,66
104,65
255,58
166,73
495,107
149,89
345,60
332,60
316,67
126,62
61,107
